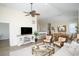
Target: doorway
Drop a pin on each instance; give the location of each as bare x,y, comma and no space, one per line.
4,35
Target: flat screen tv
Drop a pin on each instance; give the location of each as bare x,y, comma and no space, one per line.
26,30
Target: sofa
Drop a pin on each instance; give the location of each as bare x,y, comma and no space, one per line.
69,49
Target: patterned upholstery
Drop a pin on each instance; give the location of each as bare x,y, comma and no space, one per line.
48,38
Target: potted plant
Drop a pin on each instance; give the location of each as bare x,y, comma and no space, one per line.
77,30
36,35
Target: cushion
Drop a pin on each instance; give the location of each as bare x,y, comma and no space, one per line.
61,39
57,43
48,37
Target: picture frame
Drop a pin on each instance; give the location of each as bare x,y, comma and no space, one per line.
61,28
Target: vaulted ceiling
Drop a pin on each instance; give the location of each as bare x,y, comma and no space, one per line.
49,11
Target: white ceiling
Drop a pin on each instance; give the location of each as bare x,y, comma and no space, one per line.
49,11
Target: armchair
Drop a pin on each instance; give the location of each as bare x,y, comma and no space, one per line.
47,39
60,41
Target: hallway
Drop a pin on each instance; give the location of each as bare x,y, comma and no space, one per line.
4,43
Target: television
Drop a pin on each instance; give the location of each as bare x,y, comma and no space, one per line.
26,30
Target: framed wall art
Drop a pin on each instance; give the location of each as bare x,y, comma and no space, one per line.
61,28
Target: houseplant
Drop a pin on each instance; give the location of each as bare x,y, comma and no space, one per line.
77,27
36,35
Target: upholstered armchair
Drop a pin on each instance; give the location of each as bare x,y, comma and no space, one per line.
60,41
47,39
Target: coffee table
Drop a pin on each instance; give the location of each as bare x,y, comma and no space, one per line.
42,50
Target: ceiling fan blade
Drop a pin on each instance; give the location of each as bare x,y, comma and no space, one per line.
37,13
33,13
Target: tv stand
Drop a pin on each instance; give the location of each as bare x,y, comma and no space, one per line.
24,39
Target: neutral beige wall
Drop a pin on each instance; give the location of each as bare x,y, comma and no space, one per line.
56,22
42,26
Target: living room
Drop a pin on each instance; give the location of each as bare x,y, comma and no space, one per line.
30,31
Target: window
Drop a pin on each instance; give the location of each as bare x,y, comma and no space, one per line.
72,28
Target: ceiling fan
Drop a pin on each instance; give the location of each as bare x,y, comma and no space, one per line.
32,12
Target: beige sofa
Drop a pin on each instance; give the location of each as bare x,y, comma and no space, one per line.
68,50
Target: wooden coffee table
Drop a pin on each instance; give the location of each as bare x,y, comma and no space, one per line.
43,51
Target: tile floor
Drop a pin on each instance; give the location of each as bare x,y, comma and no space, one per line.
24,50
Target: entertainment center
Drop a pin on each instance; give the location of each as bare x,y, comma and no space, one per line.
24,39
26,36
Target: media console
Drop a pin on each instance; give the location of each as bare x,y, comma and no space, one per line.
24,39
